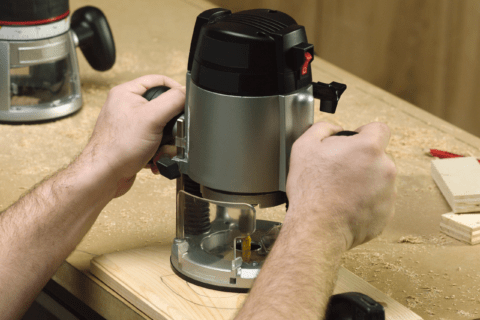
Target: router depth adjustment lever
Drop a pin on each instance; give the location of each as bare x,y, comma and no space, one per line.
329,94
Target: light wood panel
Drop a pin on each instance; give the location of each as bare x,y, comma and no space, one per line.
144,277
424,51
463,227
459,181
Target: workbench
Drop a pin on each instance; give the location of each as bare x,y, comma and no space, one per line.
434,275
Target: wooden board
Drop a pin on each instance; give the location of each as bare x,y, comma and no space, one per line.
144,277
459,181
463,227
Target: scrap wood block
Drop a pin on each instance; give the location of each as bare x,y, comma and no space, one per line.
463,227
459,181
144,277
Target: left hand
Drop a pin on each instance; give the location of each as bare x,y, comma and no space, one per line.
129,128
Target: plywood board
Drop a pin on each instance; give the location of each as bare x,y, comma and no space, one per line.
459,181
144,277
464,227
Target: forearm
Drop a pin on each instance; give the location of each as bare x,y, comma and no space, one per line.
39,231
299,275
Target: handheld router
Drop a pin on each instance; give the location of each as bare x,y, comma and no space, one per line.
249,97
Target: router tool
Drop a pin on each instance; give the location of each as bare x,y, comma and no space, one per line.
39,77
249,97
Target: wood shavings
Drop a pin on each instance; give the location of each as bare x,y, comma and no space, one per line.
412,302
465,313
411,239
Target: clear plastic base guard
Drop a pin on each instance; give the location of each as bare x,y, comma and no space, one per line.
215,256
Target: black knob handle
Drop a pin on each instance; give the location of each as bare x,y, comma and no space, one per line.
329,94
167,167
354,305
168,137
346,133
95,38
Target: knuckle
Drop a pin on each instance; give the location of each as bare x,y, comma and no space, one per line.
391,169
383,127
296,146
114,91
373,146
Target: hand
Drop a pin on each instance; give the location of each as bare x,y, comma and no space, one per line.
344,182
129,128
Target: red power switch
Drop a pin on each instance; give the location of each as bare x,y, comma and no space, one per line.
308,58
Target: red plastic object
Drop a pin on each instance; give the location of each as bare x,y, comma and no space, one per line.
444,154
308,58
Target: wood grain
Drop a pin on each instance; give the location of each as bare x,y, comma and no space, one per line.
144,278
463,227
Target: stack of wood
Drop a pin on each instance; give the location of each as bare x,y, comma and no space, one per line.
459,181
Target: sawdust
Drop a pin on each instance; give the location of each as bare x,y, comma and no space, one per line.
412,302
411,239
437,240
24,101
465,313
400,272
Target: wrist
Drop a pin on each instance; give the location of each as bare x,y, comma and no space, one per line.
318,224
94,173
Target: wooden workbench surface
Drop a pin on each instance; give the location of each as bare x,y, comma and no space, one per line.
434,275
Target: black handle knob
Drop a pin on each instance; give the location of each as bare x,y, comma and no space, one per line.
95,38
354,305
167,167
346,133
168,137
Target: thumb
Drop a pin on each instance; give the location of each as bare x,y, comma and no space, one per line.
166,106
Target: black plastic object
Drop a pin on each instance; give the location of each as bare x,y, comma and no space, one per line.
167,167
196,213
95,38
257,52
32,10
346,133
354,306
329,94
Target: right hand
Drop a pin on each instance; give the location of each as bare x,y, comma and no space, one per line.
344,183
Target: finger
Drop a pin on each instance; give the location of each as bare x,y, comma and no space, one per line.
169,150
390,156
163,108
322,130
154,169
378,132
141,85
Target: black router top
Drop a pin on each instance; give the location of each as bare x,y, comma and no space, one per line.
253,53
